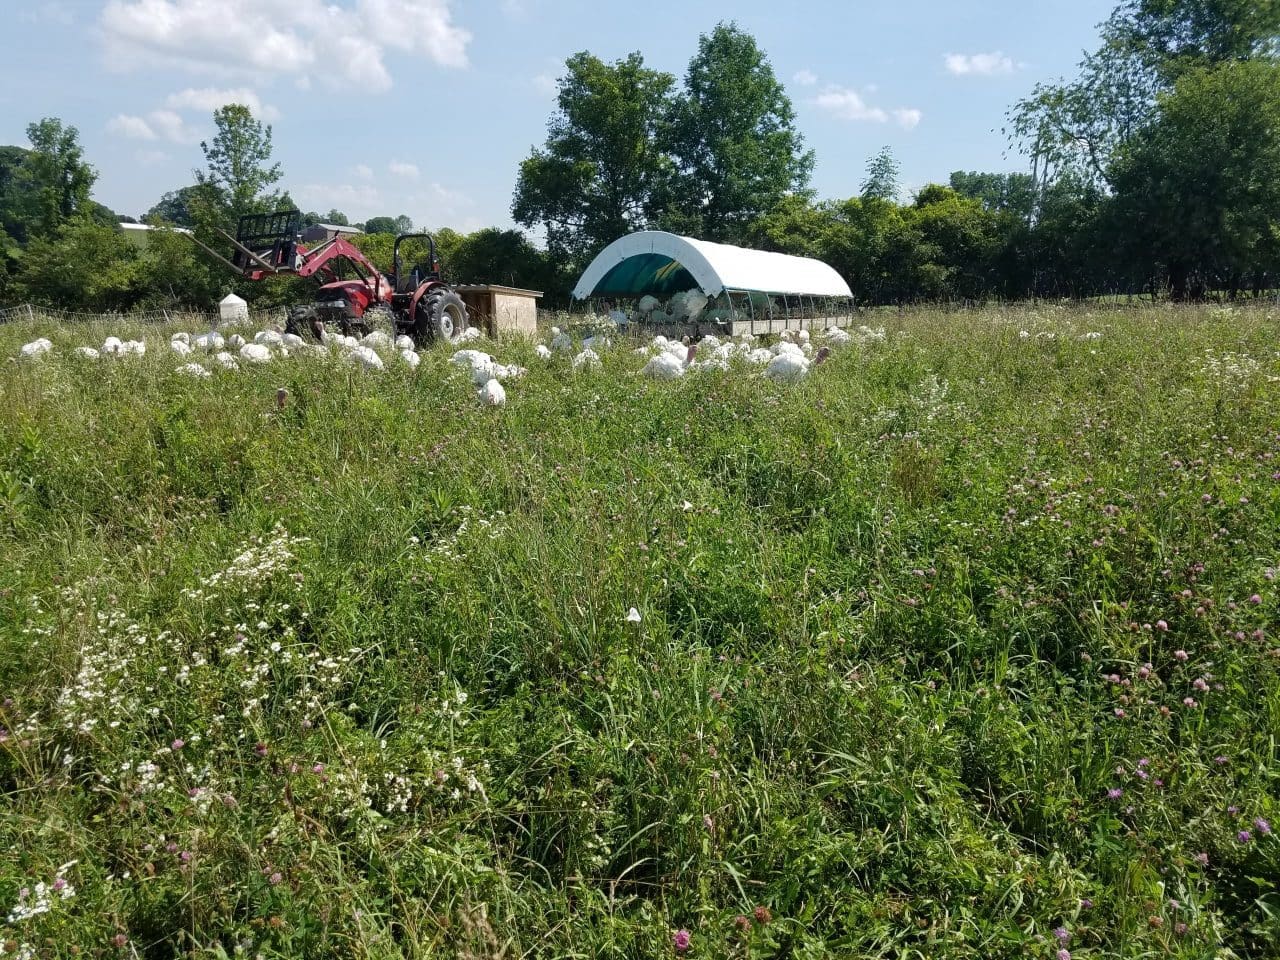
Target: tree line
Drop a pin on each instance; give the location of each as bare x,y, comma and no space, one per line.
1155,170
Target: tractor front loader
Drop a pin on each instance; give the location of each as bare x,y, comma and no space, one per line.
355,297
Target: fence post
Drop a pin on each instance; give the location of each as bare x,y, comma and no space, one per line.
31,314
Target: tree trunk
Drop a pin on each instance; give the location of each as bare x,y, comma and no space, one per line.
1178,276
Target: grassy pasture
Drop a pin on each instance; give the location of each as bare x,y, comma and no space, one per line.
965,647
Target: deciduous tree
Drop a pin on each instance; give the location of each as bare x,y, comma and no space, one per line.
734,139
603,166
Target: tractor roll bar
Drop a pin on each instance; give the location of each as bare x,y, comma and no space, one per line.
431,249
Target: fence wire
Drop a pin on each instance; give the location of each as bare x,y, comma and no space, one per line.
30,313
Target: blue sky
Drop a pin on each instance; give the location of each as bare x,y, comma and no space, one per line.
426,107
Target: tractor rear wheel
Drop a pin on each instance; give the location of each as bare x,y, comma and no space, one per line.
440,315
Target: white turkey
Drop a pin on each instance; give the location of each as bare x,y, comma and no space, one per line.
226,360
366,357
492,394
587,358
377,340
562,343
470,358
181,337
404,343
255,353
665,366
193,370
292,341
508,371
37,348
135,347
787,368
112,345
543,351
180,347
271,338
89,353
411,358
210,341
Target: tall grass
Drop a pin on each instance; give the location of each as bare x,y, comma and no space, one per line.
962,648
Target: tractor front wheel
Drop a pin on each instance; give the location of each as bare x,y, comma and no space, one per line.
440,315
305,322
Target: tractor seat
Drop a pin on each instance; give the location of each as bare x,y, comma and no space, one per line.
407,282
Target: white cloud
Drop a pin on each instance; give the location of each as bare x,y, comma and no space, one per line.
363,171
401,169
908,119
846,104
135,128
209,99
298,38
156,125
450,198
805,78
359,201
170,125
978,64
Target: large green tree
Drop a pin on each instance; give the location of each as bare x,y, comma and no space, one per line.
1114,125
1146,46
44,187
602,168
1198,192
1012,193
504,257
881,180
734,138
239,176
1172,36
85,265
393,225
175,208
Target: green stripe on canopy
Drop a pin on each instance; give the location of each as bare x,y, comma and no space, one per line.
650,273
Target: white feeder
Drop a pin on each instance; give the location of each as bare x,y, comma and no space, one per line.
233,310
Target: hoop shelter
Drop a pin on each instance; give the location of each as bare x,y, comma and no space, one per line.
662,264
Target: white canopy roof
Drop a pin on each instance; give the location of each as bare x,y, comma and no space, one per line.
652,262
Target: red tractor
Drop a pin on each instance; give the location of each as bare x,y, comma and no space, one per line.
414,302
